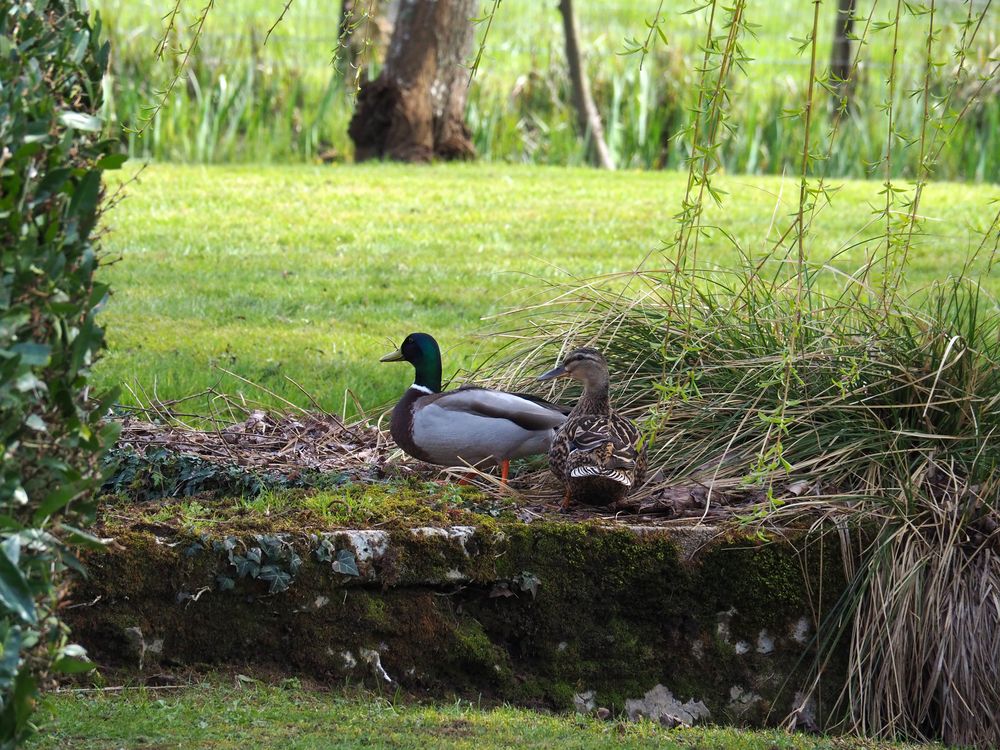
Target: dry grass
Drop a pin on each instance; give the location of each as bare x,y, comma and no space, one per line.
883,422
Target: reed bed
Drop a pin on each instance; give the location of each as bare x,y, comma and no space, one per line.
243,100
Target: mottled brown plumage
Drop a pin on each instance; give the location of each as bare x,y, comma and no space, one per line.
596,453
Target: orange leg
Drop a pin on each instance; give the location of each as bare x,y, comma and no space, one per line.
564,505
504,470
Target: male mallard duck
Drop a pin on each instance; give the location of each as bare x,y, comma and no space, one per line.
596,454
474,426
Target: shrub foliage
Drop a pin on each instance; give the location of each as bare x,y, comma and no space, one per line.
51,158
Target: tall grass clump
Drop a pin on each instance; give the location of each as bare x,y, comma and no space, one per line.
883,422
839,400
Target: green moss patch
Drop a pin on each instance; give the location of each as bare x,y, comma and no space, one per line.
393,504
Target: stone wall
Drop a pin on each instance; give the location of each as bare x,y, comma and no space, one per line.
681,624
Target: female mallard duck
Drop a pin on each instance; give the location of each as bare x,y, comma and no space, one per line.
474,426
596,454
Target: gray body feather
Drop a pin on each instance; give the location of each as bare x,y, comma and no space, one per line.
479,427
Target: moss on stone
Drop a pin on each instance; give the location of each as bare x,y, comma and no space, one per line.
531,613
476,658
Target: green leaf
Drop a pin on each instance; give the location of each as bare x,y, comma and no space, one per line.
12,548
85,198
72,562
54,180
32,353
36,423
54,501
324,552
73,660
30,382
227,546
15,594
80,121
271,546
82,538
7,522
10,657
528,582
112,161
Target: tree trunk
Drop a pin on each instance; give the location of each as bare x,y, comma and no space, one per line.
415,109
840,59
588,118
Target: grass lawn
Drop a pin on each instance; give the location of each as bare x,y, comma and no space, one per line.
257,716
308,272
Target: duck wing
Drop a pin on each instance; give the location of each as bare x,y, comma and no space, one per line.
528,413
562,409
601,445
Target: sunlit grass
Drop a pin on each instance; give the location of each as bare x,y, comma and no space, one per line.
309,273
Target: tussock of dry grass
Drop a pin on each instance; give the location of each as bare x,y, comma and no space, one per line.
881,421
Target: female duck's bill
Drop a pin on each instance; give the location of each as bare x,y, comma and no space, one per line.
556,372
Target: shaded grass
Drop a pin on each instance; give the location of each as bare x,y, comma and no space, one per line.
257,715
308,272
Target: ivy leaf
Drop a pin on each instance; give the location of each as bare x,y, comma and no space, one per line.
245,567
345,563
224,583
278,578
254,554
227,545
324,552
271,546
528,582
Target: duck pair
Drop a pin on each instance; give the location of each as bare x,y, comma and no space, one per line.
592,449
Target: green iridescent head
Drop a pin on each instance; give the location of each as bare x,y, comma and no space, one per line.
423,352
